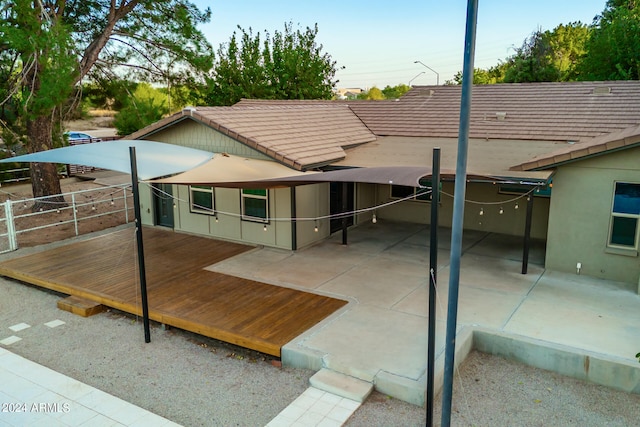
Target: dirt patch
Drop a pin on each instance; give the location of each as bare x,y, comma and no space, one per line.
85,212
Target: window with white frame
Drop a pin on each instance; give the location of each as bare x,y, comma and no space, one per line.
625,216
201,199
255,204
415,193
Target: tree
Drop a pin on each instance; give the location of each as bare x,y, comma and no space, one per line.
613,50
372,94
146,105
548,56
481,76
288,65
55,44
395,91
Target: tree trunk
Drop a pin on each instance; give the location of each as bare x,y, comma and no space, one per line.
45,182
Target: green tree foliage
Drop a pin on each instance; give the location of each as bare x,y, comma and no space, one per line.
548,56
287,65
389,92
146,106
394,92
545,56
52,45
481,76
613,50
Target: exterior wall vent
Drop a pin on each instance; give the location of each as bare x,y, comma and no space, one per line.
501,116
602,90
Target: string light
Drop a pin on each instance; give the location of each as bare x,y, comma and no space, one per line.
316,226
374,219
481,211
264,228
501,211
517,207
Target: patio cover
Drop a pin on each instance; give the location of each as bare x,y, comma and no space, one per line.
226,170
154,159
236,172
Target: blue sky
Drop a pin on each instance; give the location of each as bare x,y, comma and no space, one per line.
378,41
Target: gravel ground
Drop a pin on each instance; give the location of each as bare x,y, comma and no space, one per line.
196,381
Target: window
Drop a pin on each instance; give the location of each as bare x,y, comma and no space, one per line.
625,216
416,193
201,199
255,205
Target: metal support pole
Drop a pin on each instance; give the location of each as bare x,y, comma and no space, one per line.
433,270
458,210
294,224
527,235
143,277
344,212
75,212
11,226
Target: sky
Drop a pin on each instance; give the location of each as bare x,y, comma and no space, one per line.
377,42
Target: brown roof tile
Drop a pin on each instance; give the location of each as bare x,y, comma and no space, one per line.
625,138
300,136
540,111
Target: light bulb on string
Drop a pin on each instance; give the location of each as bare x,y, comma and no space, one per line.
374,219
517,207
264,228
501,211
481,211
112,202
315,228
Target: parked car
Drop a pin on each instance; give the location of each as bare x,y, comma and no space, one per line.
81,136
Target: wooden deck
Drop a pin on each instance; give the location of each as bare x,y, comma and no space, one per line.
181,293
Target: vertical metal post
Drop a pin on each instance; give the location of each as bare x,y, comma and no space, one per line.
126,208
433,270
11,226
458,210
75,211
527,234
143,276
294,224
344,212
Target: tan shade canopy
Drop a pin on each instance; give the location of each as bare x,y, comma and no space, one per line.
226,170
230,171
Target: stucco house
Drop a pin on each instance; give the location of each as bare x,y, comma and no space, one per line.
572,150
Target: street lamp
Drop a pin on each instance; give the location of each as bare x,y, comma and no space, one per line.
419,74
437,75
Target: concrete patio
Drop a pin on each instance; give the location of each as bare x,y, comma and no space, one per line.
576,325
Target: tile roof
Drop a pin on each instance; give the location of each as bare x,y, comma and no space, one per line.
300,136
625,138
527,111
486,157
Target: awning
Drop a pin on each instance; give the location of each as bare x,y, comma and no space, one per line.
154,159
226,170
236,172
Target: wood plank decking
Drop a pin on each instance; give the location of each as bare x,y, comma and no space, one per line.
181,293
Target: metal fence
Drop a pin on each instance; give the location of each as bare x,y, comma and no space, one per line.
18,219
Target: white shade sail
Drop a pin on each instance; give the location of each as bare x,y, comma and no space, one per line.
154,159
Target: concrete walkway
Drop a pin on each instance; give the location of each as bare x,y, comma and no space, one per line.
380,337
57,400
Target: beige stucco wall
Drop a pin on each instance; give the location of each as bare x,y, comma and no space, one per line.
312,201
511,221
193,134
580,215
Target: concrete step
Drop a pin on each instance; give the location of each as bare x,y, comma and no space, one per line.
341,385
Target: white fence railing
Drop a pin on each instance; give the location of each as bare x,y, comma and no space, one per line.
17,217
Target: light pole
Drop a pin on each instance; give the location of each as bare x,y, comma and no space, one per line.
418,75
425,65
